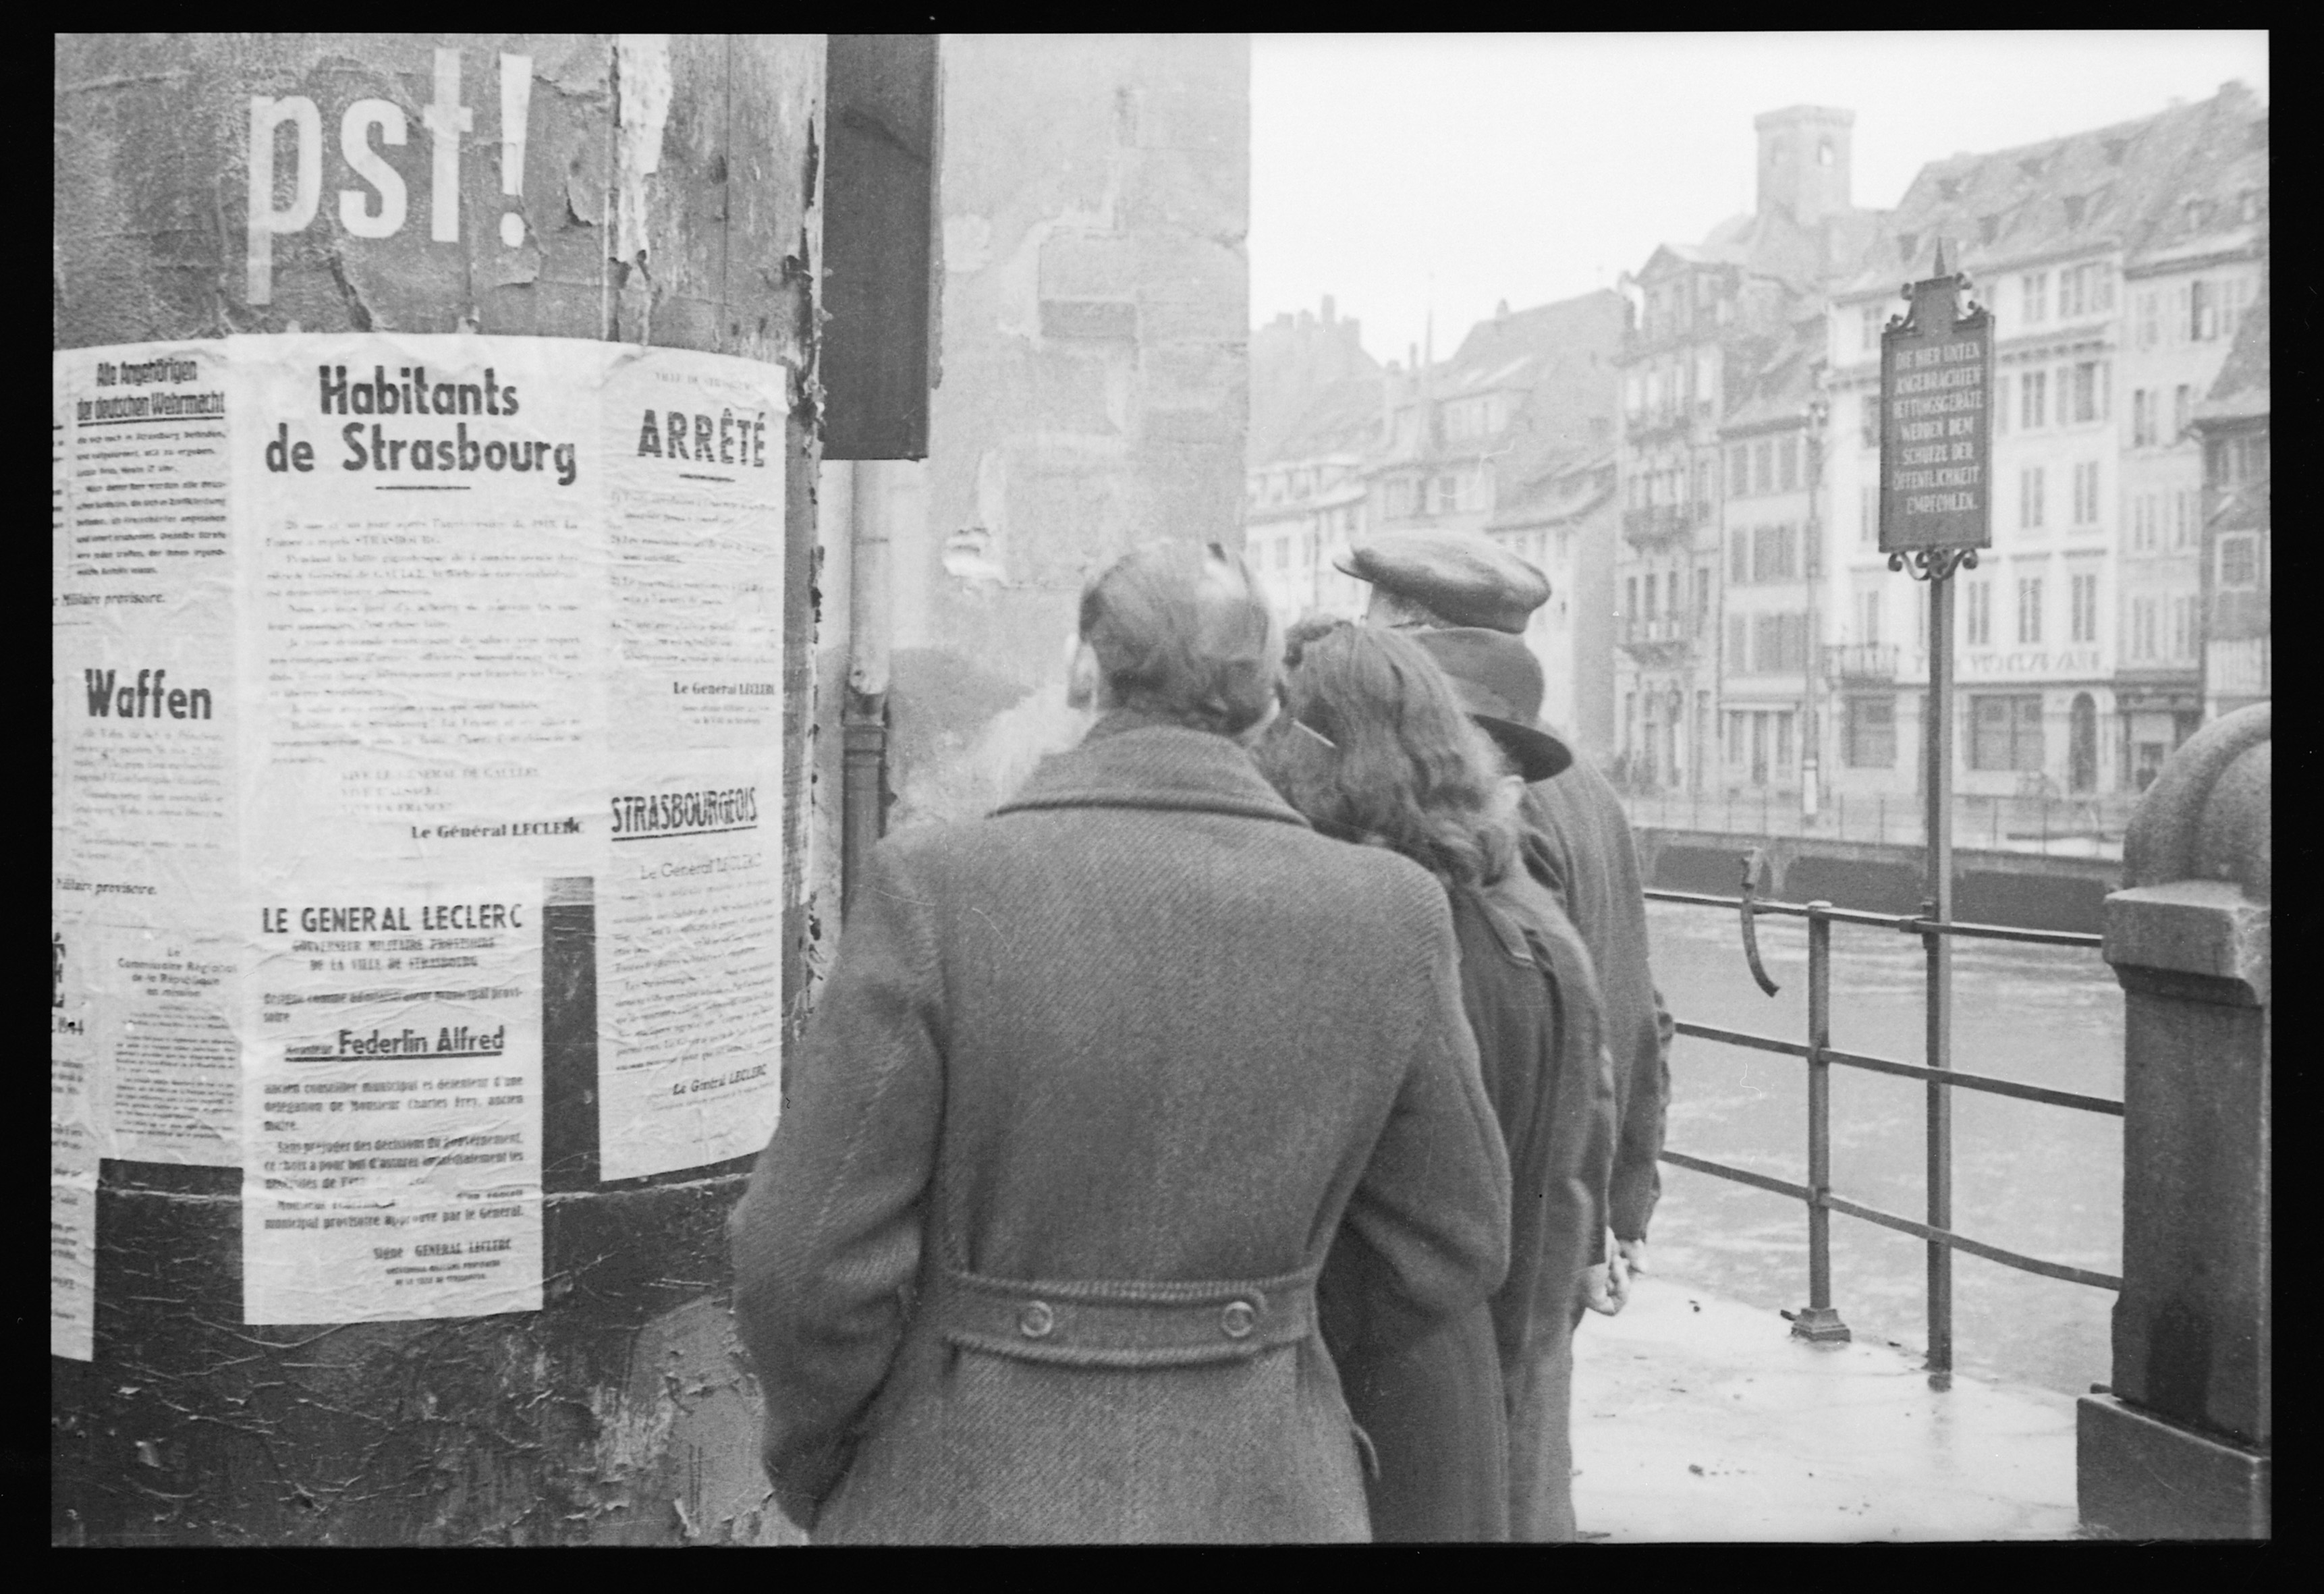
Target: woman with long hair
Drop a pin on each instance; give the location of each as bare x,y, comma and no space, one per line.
1467,1417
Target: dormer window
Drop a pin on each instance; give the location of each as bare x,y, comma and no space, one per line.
2199,212
1908,245
1989,228
2030,166
1823,153
2076,204
1948,188
2116,148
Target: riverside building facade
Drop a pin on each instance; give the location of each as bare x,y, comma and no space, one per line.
2115,263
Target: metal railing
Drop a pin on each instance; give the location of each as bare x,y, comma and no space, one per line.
2050,826
1821,1320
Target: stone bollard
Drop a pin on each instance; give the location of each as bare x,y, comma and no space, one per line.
2180,1446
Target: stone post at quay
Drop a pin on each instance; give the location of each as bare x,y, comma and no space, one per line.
2179,1446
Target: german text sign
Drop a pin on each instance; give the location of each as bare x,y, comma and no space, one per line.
1936,424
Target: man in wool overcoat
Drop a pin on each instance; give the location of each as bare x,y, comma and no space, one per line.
1094,1084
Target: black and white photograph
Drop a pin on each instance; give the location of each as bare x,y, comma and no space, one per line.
1160,788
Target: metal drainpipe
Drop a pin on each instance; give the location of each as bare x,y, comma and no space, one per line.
864,722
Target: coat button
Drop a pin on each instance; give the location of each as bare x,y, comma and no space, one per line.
1036,1320
1238,1319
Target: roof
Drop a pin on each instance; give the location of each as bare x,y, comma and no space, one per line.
2241,391
2245,508
1556,360
1343,417
1569,484
2127,186
1779,389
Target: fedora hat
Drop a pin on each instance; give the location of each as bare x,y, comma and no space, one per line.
1500,682
1466,577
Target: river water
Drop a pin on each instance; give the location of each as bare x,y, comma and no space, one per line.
2042,1180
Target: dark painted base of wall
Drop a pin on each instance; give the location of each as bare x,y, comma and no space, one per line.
2028,891
2138,1477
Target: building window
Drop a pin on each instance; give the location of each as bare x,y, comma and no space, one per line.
1763,456
1738,471
1869,734
1868,618
2029,610
2073,281
2033,296
1774,554
2182,628
1787,455
2186,524
1653,607
2144,511
2086,493
1867,422
2203,305
2032,398
2142,629
1630,599
1870,341
1734,737
1783,743
2006,732
2085,592
1737,638
2182,411
2150,319
1868,512
2142,419
1701,597
1739,555
2029,498
1980,614
2239,560
2089,392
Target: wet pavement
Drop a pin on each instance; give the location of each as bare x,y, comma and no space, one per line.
1697,1419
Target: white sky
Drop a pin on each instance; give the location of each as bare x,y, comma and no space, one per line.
1401,171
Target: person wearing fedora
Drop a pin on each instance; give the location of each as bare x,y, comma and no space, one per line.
1468,599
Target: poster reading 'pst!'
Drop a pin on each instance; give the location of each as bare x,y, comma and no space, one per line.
391,1107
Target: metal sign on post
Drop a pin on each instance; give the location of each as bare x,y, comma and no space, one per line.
1936,511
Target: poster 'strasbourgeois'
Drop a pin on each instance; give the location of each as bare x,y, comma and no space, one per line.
342,619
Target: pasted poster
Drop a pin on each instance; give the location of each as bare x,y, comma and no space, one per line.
689,909
405,610
391,1106
72,1150
145,737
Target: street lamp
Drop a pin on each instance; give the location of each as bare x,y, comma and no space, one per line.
1818,411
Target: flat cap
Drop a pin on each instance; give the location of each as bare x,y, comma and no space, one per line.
1466,578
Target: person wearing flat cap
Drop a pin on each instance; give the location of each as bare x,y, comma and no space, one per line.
1467,600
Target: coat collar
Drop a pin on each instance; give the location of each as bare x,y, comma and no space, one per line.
1131,762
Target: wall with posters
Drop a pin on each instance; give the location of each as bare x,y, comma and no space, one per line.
432,445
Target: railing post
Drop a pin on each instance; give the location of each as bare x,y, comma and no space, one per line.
1819,1323
1939,953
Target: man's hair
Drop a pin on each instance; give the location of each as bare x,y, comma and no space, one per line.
1375,746
1182,633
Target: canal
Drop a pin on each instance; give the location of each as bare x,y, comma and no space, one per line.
2043,1180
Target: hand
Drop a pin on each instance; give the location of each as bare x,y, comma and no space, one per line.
1599,1291
1634,1253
